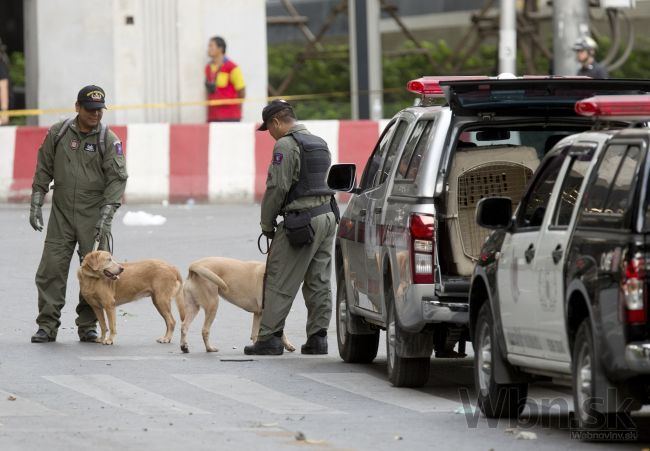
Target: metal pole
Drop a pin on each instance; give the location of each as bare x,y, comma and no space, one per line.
508,37
366,82
354,73
570,21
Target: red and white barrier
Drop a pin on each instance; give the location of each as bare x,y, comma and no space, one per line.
206,162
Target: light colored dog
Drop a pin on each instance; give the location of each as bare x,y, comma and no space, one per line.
239,282
105,284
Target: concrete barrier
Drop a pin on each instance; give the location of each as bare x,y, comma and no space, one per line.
218,162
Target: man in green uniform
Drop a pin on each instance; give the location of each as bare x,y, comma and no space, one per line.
86,162
301,250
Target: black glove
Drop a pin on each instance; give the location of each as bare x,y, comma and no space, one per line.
210,87
270,234
103,226
35,212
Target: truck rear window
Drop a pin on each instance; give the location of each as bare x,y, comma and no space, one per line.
608,198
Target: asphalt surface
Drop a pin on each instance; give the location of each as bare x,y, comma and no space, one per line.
138,394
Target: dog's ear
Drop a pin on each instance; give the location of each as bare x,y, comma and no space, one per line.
91,260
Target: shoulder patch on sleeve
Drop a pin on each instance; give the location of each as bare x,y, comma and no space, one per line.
277,157
118,148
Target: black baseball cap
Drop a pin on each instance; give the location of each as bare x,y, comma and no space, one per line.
92,97
271,110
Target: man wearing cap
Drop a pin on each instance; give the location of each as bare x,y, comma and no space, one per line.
585,48
86,162
301,250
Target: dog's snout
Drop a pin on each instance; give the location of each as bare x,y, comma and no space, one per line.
120,269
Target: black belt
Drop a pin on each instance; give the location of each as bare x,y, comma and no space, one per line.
316,211
322,209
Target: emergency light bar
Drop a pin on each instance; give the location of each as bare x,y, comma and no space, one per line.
619,107
430,86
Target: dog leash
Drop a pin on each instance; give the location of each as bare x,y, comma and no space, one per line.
259,246
109,243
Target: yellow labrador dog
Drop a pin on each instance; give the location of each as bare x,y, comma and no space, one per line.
105,284
238,282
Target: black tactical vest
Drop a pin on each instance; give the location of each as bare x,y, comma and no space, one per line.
315,161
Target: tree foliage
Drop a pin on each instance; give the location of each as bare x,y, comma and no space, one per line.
327,80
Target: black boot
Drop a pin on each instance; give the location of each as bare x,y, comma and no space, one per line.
316,344
272,346
90,336
42,337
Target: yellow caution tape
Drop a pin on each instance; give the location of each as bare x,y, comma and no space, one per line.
162,105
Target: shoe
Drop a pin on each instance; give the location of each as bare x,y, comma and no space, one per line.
89,336
42,337
316,344
272,346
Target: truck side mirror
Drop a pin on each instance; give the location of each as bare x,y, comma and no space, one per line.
494,212
342,177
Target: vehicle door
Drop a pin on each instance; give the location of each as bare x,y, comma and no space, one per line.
516,280
551,252
375,198
358,210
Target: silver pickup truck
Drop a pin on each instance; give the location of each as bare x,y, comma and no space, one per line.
408,241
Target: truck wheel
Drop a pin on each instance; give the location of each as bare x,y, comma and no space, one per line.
402,371
584,376
495,400
353,348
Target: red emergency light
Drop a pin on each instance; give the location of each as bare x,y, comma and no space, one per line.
621,106
430,86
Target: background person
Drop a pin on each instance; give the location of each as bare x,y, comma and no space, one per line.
86,162
585,48
223,80
295,187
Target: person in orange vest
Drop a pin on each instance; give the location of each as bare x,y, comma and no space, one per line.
223,80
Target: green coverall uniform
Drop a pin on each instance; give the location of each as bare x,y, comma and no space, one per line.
288,266
85,179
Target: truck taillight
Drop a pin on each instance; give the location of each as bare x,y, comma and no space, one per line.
422,231
632,291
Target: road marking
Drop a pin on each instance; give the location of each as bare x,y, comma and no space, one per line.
118,393
381,390
132,357
254,394
22,407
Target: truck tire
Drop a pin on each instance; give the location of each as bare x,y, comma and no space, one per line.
495,400
402,371
353,348
584,376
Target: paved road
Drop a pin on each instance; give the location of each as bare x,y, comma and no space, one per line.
138,394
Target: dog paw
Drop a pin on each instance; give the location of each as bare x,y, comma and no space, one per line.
185,348
211,349
164,340
290,347
108,341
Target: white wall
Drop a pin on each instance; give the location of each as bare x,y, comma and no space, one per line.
73,41
157,58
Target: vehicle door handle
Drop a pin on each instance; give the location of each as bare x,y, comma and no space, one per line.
557,254
377,210
363,212
530,253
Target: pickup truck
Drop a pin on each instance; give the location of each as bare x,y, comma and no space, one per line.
407,242
560,291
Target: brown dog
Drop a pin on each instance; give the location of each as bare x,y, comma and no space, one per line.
239,282
105,284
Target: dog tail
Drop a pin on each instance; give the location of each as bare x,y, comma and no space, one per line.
205,273
179,297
